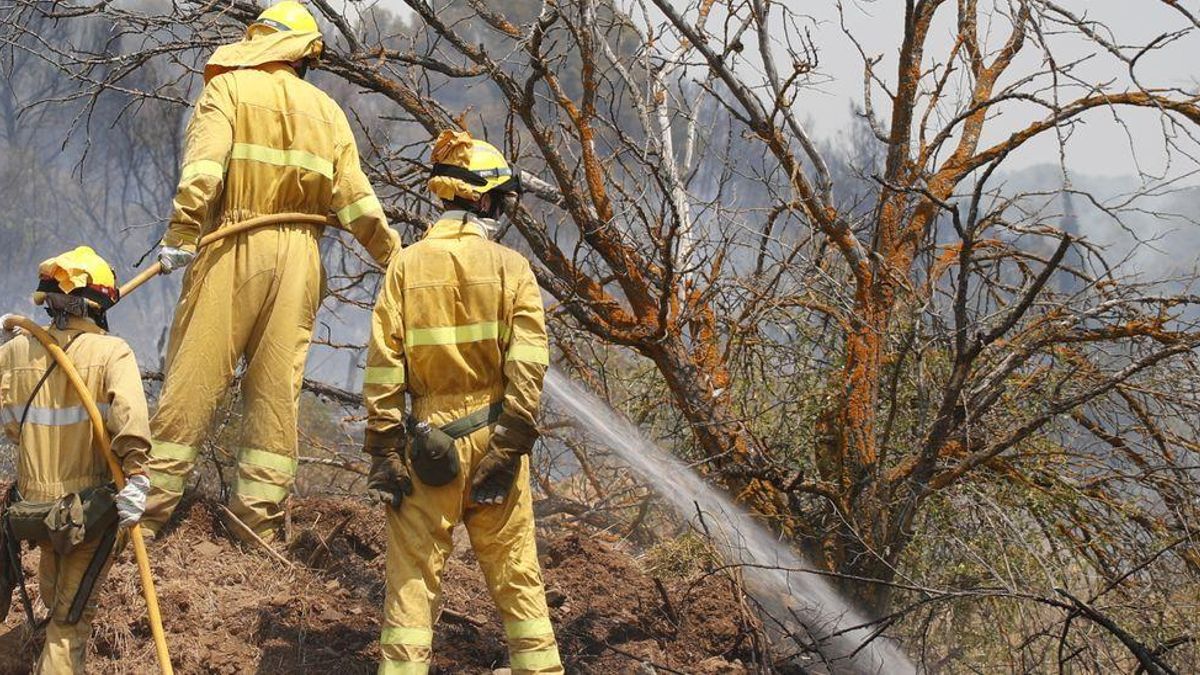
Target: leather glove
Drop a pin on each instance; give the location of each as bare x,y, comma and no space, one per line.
511,439
494,477
131,500
388,482
173,258
6,335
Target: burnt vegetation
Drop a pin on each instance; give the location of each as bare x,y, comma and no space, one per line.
927,374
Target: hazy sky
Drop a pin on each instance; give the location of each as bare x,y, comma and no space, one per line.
1099,146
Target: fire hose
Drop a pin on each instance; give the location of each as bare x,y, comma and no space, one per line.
228,231
100,436
100,432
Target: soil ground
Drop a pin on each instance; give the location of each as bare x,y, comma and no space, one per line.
232,609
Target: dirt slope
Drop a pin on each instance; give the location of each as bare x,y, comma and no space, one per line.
233,610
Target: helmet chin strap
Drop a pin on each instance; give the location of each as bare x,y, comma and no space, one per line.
494,209
493,212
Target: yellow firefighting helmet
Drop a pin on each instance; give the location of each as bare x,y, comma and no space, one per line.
78,272
465,167
288,15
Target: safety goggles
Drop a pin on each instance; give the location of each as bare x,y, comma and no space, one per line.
508,193
480,178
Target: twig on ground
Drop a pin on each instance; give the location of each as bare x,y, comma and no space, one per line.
254,537
635,657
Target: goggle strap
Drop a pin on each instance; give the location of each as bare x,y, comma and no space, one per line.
272,23
100,298
465,175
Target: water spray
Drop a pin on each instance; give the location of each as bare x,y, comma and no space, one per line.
779,579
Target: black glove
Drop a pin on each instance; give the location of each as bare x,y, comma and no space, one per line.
388,482
512,438
494,477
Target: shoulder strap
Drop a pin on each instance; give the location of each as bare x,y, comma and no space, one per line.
38,386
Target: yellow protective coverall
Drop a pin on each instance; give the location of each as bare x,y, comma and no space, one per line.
57,458
459,325
261,141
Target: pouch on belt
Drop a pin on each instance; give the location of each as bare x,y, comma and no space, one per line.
433,454
67,521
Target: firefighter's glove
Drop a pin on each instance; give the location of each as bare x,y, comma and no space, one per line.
131,500
389,482
511,439
173,258
7,334
494,478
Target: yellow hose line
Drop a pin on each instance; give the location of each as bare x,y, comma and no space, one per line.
228,231
102,440
101,433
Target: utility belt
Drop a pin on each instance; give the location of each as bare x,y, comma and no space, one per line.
66,523
433,455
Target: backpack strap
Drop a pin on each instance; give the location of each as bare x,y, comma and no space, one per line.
38,386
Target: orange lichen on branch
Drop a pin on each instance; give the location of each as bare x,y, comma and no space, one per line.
1148,327
951,252
706,350
769,503
631,266
862,379
1138,99
908,465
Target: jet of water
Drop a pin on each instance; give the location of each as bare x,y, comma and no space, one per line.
802,601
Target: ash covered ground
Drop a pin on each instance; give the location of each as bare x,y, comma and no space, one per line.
231,609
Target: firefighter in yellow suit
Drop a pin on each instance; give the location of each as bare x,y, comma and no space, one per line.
43,415
459,326
261,141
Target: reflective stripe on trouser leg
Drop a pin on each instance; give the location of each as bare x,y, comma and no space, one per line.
536,661
169,467
419,541
503,538
264,481
532,647
389,667
405,649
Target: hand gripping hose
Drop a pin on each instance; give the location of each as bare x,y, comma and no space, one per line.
228,231
100,435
